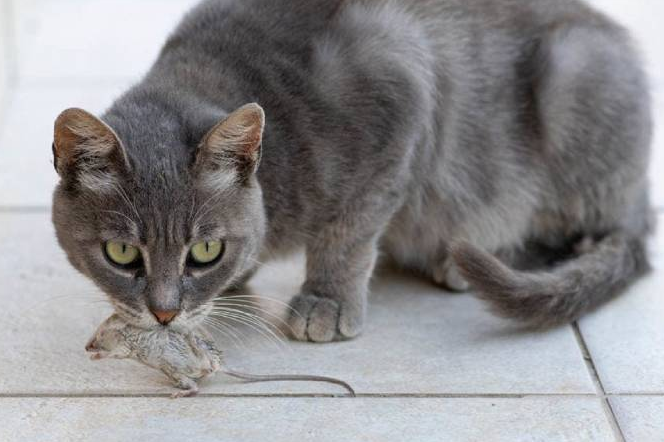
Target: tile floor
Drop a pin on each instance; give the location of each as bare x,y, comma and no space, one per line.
430,366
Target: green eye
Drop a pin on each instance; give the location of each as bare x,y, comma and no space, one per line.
206,252
121,253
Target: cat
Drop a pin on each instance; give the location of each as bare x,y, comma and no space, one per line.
497,145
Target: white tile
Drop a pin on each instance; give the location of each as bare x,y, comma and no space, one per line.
641,419
27,177
303,419
418,339
626,337
93,38
421,339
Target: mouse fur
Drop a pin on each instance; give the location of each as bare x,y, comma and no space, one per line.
185,359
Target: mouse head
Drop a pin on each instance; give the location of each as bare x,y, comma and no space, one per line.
108,337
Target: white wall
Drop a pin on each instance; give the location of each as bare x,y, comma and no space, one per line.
6,53
3,53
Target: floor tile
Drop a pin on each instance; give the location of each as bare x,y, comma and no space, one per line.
303,419
27,177
418,339
641,419
626,337
70,39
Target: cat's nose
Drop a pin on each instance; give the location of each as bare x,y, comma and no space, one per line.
164,316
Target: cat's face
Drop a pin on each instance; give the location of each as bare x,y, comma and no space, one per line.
161,230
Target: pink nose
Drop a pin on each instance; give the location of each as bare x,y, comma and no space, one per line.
164,316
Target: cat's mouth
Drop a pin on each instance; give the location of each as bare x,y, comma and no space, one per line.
139,318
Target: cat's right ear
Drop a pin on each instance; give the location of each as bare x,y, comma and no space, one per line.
86,150
231,150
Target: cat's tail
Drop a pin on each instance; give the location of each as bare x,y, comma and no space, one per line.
558,295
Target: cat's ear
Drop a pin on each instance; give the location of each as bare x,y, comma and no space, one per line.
86,150
233,146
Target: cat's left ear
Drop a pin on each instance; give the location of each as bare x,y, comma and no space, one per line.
86,150
233,146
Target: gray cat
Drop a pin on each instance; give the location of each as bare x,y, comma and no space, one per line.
501,144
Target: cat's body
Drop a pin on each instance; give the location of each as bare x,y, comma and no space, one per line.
415,128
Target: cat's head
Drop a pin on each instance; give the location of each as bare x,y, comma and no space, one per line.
160,221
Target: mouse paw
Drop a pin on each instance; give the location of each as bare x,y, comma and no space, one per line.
97,355
184,393
188,387
319,319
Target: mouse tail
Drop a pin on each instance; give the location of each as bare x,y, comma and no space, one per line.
288,377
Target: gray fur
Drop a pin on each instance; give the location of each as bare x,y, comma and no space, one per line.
398,126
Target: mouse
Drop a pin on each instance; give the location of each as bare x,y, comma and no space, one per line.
185,358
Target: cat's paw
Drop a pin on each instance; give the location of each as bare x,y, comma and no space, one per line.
447,275
318,319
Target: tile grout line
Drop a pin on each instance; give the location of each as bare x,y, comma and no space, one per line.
592,370
309,395
335,395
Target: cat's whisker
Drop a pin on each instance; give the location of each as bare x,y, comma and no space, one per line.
265,298
228,327
115,212
199,214
225,331
123,194
126,310
257,308
225,308
262,322
83,298
259,327
219,318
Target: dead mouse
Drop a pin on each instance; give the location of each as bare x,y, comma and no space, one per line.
185,359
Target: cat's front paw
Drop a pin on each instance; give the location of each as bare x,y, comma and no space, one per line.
319,319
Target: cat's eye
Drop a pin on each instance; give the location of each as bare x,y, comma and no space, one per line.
205,253
121,254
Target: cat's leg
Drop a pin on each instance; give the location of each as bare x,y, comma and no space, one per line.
420,244
446,274
333,300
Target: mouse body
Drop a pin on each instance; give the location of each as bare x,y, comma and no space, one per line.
185,359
